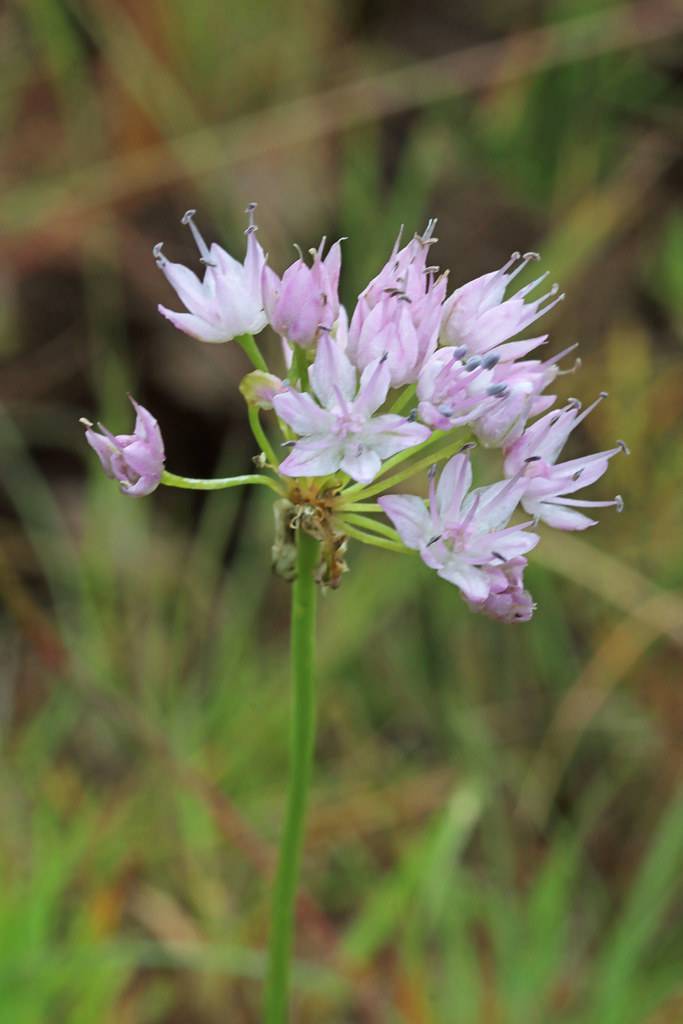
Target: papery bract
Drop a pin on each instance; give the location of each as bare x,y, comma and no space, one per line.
136,460
227,302
340,430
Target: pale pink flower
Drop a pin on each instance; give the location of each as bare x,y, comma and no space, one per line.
399,313
549,483
524,382
305,302
136,460
478,316
339,431
228,301
508,601
405,269
463,534
453,390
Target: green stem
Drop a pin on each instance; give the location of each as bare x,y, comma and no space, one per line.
371,526
300,366
302,641
372,539
261,436
415,467
358,490
404,400
252,351
189,483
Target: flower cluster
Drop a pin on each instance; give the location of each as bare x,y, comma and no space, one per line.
411,379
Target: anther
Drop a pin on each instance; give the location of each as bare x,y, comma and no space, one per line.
624,447
460,351
412,416
186,218
86,423
619,503
533,458
431,473
433,540
497,390
498,555
488,362
287,444
472,363
158,254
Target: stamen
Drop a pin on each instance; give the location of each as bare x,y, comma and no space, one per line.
460,351
523,292
562,354
86,423
472,364
188,221
488,362
624,447
497,390
433,540
158,254
251,207
589,409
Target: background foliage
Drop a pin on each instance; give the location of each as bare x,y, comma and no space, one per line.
496,834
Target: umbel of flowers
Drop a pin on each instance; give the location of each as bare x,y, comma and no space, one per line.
412,380
408,384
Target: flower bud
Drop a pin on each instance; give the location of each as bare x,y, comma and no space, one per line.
259,388
136,460
305,302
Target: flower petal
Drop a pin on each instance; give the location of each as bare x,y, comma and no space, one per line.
361,463
194,325
302,413
332,371
410,516
313,456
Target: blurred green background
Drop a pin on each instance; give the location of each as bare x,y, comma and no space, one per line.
496,830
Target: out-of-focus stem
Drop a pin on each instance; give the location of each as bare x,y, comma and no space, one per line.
302,737
189,483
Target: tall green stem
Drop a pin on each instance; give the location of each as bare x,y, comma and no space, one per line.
252,351
302,641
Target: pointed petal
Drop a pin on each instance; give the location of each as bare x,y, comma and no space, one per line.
473,582
302,413
562,518
373,388
313,456
361,463
194,326
389,434
331,370
454,483
410,516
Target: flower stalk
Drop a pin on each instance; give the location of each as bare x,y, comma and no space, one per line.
302,740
